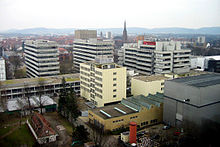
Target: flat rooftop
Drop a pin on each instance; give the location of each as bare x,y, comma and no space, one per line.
203,80
151,78
34,81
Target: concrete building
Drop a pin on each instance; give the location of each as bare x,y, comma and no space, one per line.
87,50
102,81
161,57
206,63
41,58
192,99
108,35
201,39
139,109
145,85
85,34
52,85
2,69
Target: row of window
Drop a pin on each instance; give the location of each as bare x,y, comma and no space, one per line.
115,121
133,117
98,95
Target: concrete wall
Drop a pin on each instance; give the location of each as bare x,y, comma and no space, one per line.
139,87
196,110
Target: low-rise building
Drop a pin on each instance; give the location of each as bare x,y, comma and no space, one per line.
147,84
45,103
193,99
51,86
144,110
41,129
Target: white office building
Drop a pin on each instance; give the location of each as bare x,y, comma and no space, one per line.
41,58
88,50
161,57
2,69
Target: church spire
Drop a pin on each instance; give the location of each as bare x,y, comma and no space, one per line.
125,37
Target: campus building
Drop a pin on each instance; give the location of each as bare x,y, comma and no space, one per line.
2,69
88,50
147,84
50,86
41,58
102,81
85,34
193,99
160,57
144,110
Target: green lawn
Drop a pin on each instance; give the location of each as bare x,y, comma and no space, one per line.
5,130
66,124
20,136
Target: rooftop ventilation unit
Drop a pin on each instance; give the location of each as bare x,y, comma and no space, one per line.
120,110
103,112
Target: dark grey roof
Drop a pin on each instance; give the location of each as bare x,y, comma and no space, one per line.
203,80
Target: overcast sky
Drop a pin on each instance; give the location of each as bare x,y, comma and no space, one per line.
20,14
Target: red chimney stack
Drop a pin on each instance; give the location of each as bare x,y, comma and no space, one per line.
133,132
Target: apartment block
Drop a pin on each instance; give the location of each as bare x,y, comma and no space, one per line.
88,50
2,69
143,110
148,57
41,58
19,88
85,34
102,81
145,85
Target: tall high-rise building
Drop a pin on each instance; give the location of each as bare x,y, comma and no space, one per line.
41,58
162,57
2,69
85,34
102,81
108,35
87,50
125,37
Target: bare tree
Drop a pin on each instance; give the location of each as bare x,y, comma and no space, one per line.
99,136
41,84
27,96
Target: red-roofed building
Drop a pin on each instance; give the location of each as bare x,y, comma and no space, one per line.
64,54
41,129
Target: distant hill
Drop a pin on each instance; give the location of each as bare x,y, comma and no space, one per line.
131,30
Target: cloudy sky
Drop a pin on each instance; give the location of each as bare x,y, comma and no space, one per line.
20,14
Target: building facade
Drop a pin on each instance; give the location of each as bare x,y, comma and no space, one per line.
193,99
102,81
51,86
88,50
41,58
162,57
144,85
2,69
139,109
85,34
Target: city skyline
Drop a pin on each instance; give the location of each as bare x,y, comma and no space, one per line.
21,14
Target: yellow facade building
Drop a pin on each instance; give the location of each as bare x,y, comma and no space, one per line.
140,109
102,81
147,84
